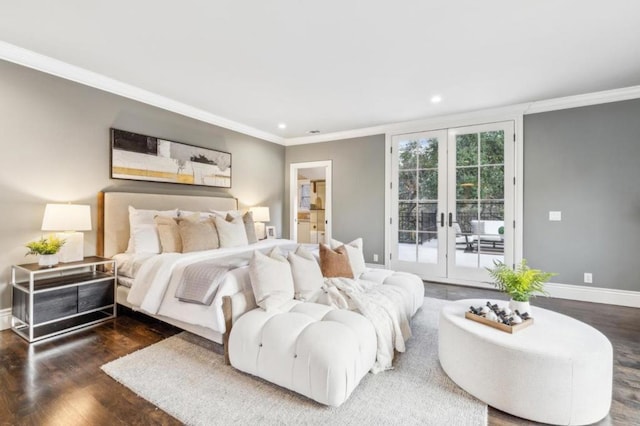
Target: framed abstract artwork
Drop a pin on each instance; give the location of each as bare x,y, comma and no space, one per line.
147,158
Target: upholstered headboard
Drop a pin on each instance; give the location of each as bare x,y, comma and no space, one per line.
113,213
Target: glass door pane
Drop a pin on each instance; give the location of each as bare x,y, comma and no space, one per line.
418,192
478,197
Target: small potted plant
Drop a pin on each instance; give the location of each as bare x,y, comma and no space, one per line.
47,248
521,283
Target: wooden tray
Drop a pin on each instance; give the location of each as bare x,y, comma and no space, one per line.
506,328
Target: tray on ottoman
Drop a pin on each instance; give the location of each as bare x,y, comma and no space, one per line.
504,327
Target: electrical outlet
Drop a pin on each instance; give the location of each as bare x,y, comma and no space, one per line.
588,277
375,257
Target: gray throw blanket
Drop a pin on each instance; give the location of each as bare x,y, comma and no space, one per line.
200,281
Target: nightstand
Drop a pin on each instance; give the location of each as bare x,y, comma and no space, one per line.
66,297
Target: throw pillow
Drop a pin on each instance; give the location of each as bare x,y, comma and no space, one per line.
307,276
143,234
169,233
197,235
231,233
356,257
335,263
249,226
271,279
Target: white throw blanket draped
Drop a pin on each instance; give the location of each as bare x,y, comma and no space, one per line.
380,304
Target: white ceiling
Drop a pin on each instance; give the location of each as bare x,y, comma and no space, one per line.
339,65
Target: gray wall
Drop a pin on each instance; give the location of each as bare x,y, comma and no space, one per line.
54,140
585,163
358,188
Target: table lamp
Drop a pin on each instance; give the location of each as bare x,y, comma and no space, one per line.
260,216
66,220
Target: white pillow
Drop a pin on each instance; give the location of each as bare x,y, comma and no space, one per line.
190,214
271,279
143,233
223,213
356,257
307,276
231,234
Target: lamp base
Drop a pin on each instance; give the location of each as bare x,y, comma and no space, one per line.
73,248
261,230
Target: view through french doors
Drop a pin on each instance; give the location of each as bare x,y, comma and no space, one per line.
453,201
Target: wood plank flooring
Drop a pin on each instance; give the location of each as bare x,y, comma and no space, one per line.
59,381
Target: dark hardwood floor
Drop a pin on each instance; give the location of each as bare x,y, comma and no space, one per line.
59,381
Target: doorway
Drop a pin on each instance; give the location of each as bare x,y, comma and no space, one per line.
310,195
453,195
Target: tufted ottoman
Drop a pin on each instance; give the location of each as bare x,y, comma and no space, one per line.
557,371
312,349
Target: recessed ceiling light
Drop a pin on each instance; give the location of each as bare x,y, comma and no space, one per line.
282,126
436,99
313,132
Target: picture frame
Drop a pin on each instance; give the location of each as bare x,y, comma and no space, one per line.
271,232
135,156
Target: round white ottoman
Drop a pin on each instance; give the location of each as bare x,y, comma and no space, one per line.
557,371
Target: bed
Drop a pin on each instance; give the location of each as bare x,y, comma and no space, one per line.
208,321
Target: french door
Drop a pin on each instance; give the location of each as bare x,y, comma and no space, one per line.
453,201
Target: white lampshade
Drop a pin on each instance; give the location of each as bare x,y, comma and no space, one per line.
260,214
66,217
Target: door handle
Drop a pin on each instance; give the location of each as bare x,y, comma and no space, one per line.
450,219
442,219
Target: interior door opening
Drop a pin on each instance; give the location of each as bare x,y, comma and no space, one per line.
310,194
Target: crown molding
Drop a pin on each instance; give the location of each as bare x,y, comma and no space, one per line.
587,99
46,64
30,59
440,122
474,117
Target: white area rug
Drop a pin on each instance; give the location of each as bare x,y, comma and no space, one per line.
185,378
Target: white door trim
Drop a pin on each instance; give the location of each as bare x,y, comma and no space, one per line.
293,196
461,121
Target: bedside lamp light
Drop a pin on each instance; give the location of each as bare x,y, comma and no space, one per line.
67,219
260,216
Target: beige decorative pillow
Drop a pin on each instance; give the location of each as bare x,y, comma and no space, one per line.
271,279
356,257
231,234
169,233
335,263
197,235
307,276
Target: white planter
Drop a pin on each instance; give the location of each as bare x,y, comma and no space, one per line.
522,307
48,260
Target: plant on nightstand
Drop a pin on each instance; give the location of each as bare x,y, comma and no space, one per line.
521,283
47,248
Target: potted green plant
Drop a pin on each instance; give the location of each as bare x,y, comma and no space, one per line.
521,283
47,249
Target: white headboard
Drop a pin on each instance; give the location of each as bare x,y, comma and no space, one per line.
113,215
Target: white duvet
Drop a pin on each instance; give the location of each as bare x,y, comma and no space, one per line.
157,278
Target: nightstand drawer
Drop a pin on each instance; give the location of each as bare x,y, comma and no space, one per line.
95,295
54,304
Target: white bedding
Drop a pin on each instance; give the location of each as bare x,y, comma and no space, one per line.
157,277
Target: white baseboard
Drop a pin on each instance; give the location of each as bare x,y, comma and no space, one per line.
5,319
594,294
581,293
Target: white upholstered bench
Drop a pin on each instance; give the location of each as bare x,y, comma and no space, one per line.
557,371
312,349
